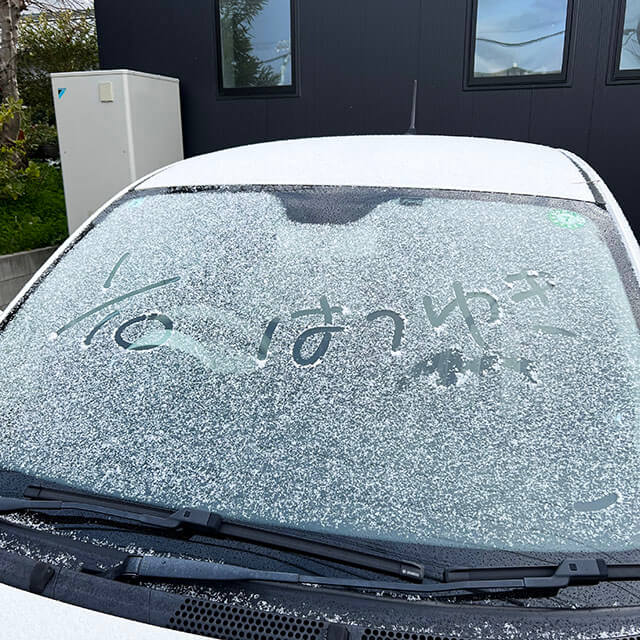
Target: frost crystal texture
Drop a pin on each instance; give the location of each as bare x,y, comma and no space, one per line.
445,371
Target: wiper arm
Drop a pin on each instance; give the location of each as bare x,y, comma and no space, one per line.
44,500
567,573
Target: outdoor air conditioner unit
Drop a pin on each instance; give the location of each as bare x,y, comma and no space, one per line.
113,127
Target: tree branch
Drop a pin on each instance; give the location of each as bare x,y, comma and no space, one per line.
57,5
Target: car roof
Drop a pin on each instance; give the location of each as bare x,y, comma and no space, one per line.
429,162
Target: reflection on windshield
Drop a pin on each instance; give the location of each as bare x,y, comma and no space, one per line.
426,368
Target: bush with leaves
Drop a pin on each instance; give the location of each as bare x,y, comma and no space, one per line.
41,140
52,43
15,170
38,218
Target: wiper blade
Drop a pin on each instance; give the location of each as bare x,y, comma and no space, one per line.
567,573
570,572
44,500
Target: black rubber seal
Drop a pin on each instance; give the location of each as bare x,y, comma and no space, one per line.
41,575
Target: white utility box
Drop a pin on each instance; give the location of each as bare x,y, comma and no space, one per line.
114,127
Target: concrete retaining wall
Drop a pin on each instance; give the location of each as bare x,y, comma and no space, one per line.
17,268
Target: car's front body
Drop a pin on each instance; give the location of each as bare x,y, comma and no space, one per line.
421,348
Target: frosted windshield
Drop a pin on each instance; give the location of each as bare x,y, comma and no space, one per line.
434,369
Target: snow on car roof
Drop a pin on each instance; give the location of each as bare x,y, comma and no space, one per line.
431,162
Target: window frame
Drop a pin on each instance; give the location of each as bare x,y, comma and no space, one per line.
259,92
539,80
617,75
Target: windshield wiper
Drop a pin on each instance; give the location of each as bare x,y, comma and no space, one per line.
44,500
570,572
526,579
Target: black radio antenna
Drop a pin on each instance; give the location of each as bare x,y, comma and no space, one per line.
412,124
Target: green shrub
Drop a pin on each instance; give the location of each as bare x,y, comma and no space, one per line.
38,218
41,140
15,170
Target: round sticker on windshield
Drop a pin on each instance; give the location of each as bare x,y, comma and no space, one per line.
567,219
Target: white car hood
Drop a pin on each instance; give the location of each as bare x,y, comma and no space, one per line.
26,616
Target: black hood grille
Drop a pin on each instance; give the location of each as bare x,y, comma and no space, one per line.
226,622
238,623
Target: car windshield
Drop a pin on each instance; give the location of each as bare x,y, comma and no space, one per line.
440,368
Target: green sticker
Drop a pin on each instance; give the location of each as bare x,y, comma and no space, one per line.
567,219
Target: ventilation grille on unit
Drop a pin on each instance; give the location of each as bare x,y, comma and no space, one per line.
237,623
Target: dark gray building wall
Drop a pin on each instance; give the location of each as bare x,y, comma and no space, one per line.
357,60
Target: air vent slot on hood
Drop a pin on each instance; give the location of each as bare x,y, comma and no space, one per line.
226,622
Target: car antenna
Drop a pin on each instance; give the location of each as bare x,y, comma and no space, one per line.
412,125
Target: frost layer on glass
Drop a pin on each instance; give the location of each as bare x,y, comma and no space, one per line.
519,37
440,371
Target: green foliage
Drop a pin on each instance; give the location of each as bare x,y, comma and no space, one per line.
38,218
15,171
236,18
41,140
52,43
32,208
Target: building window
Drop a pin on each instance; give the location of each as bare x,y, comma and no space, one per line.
256,52
626,62
519,42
